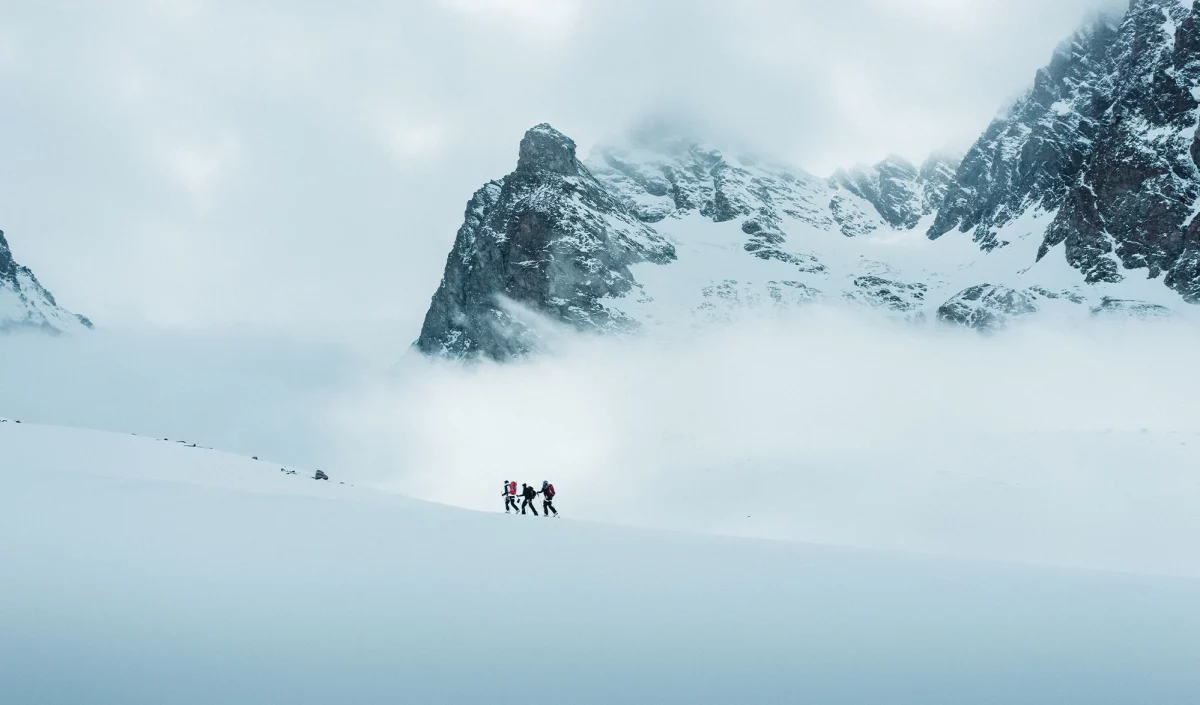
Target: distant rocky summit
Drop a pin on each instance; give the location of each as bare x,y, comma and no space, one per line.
26,305
901,193
547,238
1087,184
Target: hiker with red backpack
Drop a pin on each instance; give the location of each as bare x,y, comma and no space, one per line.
510,496
548,498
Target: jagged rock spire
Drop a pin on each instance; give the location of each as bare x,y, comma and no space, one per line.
544,147
546,242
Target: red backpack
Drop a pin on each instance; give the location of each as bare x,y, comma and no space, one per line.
512,489
549,491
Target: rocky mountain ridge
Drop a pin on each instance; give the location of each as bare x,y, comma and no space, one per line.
26,305
900,192
1106,139
1080,199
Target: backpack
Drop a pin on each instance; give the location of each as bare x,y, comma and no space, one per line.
512,489
549,491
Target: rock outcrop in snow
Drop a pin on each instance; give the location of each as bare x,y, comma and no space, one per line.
26,305
985,307
549,238
1136,309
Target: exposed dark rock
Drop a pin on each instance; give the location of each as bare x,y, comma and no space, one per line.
1071,296
895,295
985,307
1033,153
766,240
1134,203
546,239
1127,307
1106,139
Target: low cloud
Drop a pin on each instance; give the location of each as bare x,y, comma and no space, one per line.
549,21
1069,446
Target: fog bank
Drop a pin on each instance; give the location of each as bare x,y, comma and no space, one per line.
1065,445
1071,444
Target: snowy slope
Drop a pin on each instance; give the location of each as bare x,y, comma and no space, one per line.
896,272
142,571
26,304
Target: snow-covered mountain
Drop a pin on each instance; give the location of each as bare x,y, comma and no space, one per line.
1078,200
26,304
1104,143
900,192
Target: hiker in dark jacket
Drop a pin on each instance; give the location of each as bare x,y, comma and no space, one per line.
547,498
528,493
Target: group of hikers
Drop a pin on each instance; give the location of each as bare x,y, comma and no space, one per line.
528,494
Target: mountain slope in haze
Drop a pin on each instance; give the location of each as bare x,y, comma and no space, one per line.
144,572
900,192
1083,192
26,305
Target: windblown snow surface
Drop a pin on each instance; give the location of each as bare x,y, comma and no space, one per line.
144,571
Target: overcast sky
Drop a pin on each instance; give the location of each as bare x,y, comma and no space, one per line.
303,166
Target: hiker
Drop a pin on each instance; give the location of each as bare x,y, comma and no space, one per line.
548,499
528,493
510,496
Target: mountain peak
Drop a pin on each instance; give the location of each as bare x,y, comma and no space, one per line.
538,245
896,160
26,304
545,148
